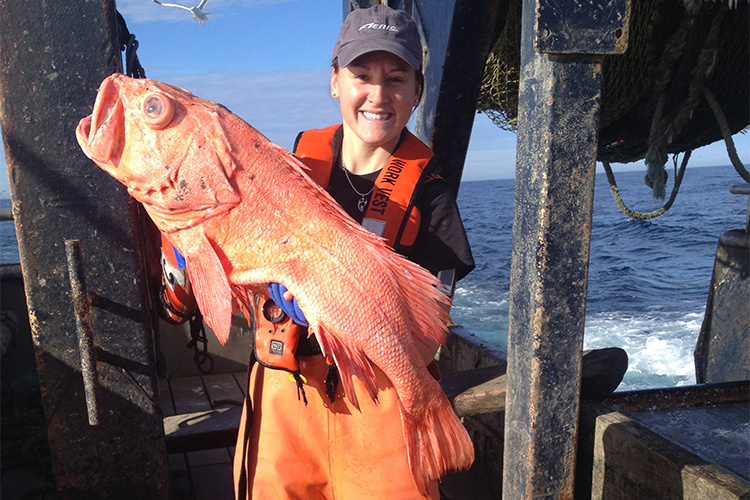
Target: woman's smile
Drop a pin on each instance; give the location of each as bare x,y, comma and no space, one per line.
376,116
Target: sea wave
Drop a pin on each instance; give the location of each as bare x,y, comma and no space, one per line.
648,279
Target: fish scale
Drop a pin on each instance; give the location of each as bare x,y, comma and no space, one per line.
244,213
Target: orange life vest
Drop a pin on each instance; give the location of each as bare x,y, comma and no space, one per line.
176,295
391,214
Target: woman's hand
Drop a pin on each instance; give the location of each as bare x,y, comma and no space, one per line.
286,301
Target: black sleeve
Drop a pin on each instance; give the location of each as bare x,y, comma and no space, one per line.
296,142
441,243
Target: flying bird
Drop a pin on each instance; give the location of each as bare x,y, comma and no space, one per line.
196,11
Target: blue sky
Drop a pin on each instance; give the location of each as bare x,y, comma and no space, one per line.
268,61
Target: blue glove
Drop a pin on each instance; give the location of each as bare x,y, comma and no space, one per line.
181,264
290,307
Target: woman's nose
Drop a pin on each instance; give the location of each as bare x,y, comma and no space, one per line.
377,93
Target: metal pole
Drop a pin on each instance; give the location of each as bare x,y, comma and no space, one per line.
53,56
83,325
561,53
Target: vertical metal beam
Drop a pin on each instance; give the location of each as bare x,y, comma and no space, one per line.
459,40
458,35
561,49
53,56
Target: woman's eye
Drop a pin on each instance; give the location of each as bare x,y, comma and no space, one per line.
158,111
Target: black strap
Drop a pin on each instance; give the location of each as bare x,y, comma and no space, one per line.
300,387
129,44
332,382
201,356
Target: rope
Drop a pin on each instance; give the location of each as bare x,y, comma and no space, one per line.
661,131
129,44
703,69
656,156
726,133
646,215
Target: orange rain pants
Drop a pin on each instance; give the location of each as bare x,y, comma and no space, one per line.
322,450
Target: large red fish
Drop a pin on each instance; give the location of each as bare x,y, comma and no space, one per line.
244,213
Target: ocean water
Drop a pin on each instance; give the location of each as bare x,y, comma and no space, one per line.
648,280
8,243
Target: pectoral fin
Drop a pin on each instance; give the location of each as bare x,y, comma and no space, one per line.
213,292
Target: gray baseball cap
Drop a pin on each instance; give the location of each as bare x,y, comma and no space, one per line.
379,28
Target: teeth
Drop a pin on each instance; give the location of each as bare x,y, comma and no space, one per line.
376,116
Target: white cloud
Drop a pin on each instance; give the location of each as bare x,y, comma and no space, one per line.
278,104
144,11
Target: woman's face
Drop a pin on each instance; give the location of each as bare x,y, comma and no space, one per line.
377,93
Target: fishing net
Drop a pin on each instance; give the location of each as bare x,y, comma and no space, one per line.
683,82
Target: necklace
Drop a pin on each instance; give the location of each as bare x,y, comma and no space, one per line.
362,203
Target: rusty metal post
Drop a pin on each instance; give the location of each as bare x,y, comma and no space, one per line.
81,309
53,56
561,53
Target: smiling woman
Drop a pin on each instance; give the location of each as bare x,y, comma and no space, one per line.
377,77
377,93
380,174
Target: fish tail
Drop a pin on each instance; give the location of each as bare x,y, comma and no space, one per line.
436,442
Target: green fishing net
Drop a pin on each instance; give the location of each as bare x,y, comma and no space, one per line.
654,97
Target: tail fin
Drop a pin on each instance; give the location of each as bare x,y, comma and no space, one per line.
436,442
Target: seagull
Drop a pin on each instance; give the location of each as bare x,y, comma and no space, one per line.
196,11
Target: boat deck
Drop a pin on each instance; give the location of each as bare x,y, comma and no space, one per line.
686,442
204,474
719,434
710,434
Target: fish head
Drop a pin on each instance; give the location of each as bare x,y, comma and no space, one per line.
166,146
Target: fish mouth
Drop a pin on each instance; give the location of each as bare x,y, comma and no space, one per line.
101,135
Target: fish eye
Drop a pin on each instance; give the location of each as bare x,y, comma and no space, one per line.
157,110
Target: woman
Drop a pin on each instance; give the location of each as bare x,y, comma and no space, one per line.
327,449
300,438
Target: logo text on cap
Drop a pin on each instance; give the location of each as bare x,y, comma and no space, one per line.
375,26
